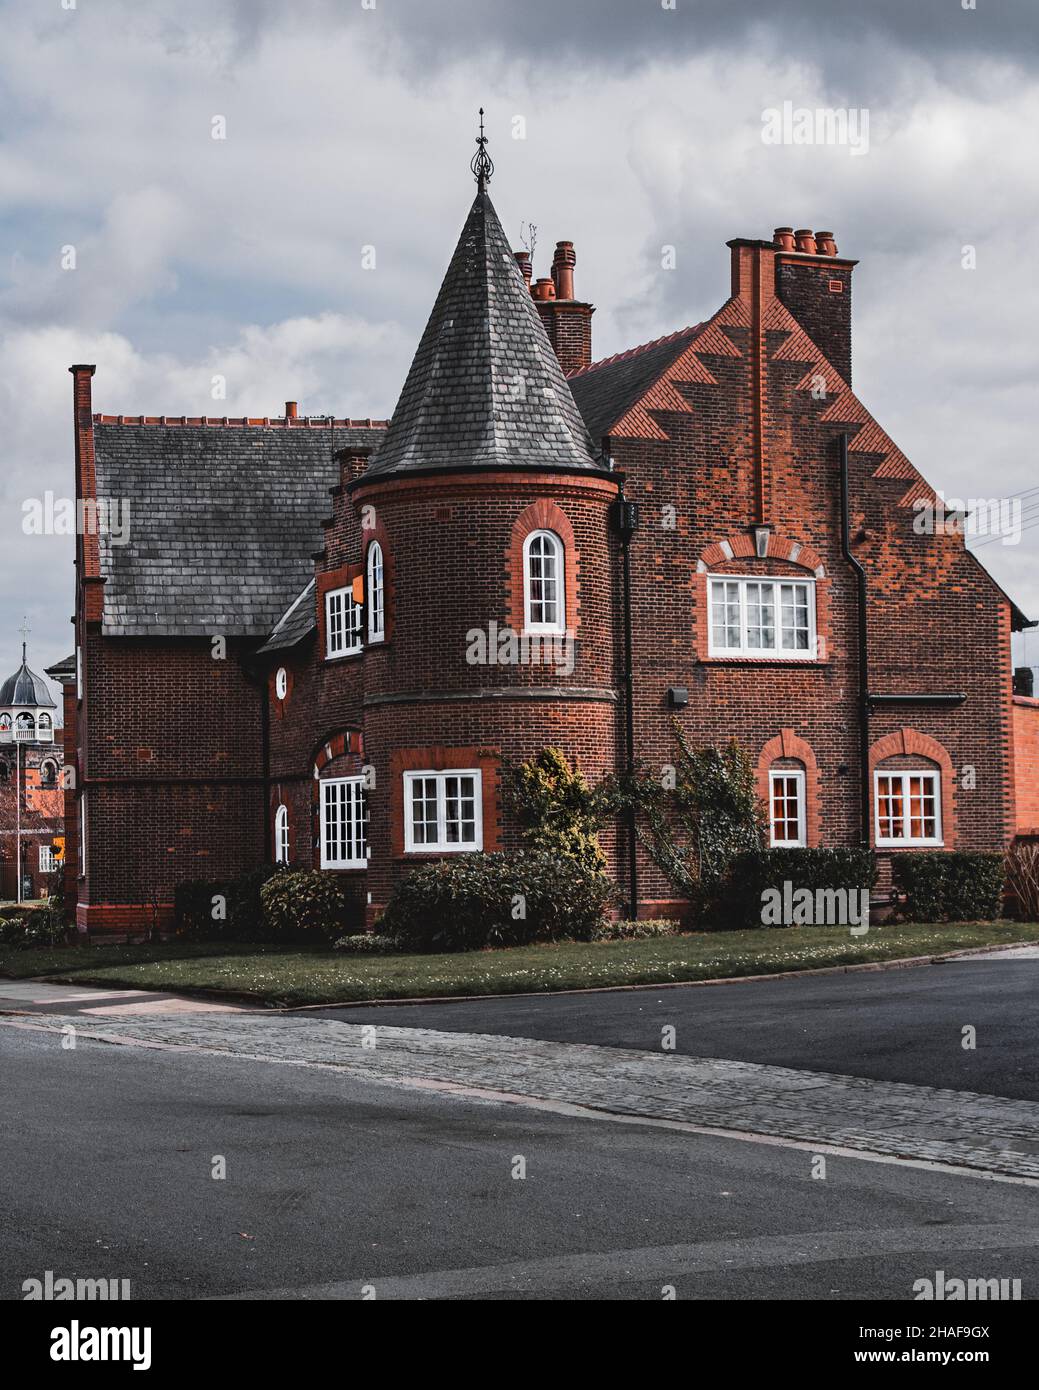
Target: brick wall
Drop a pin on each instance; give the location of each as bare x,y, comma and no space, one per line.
1026,764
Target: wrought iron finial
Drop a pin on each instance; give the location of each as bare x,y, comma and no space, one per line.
25,629
482,165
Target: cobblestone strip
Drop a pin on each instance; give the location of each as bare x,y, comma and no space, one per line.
885,1117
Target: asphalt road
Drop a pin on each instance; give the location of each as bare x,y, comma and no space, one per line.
107,1155
893,1025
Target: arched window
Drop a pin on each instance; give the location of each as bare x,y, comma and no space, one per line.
281,683
44,728
281,835
48,774
25,727
544,602
5,727
376,594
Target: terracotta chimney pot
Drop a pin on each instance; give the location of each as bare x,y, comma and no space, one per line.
291,410
563,263
805,240
783,238
544,289
825,244
524,263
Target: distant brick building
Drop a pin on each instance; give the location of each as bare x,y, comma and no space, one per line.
322,637
31,786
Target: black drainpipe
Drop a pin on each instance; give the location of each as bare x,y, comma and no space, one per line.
625,522
257,676
860,579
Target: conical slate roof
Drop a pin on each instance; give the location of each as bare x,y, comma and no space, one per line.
25,687
485,388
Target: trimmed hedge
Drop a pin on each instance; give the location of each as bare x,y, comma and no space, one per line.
754,871
641,930
304,904
949,886
477,900
368,943
222,910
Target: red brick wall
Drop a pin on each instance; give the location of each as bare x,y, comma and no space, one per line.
1026,764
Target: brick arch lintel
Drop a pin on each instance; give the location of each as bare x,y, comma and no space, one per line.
335,746
741,547
911,742
542,515
788,744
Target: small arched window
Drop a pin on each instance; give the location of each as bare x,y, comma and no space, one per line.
544,603
281,835
48,774
376,594
281,683
25,727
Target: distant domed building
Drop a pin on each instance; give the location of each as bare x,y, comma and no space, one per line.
31,785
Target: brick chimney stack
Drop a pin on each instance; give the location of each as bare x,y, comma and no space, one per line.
815,285
567,320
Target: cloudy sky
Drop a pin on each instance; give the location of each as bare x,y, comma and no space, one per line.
624,125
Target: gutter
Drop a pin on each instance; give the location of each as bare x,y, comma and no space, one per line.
625,521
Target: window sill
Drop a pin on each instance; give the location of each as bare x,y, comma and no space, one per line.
344,868
427,852
343,656
909,844
802,661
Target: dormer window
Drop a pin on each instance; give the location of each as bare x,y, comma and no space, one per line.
376,594
342,623
544,603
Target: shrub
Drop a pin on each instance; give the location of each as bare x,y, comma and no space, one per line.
479,900
558,811
752,873
235,902
641,930
368,943
1022,875
40,927
947,886
694,821
304,905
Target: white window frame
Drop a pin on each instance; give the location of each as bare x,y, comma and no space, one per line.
376,595
797,774
281,835
281,683
354,801
559,626
905,842
79,673
443,845
342,629
47,861
776,653
82,846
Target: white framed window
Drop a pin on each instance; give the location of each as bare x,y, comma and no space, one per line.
376,594
82,847
762,617
281,835
79,673
281,683
786,808
342,623
344,823
443,811
47,861
544,594
907,807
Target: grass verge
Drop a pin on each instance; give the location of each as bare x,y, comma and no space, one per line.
280,976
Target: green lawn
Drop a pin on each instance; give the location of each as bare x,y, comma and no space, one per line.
273,976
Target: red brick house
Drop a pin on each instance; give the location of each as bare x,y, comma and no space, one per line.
321,637
31,780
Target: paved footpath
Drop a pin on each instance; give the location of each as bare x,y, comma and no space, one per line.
989,1134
